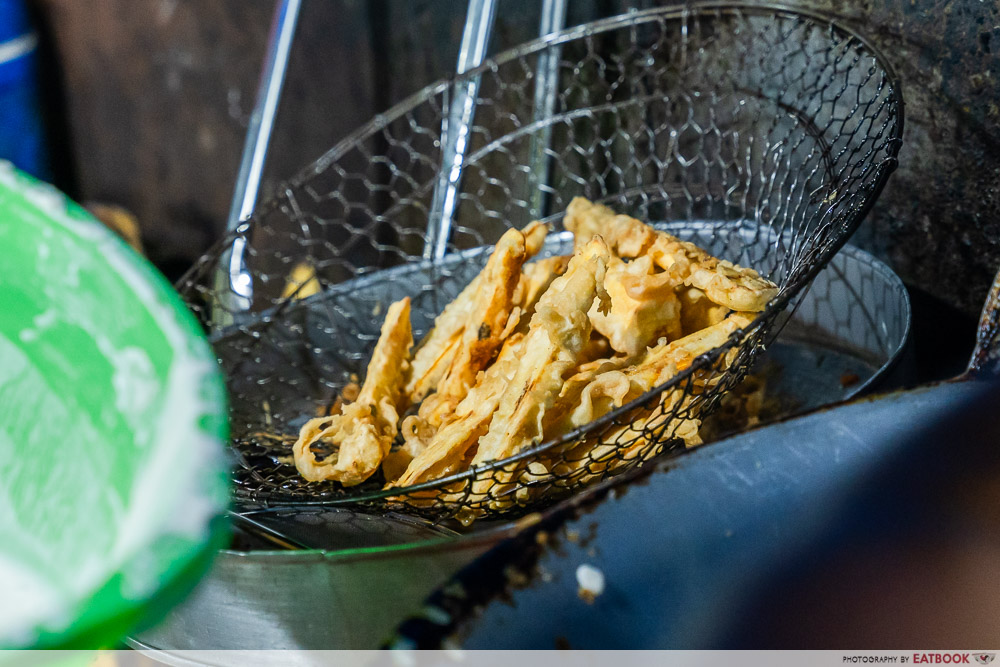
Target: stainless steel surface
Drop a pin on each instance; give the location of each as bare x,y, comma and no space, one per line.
343,599
455,134
234,274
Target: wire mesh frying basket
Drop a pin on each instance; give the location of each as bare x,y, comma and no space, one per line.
774,129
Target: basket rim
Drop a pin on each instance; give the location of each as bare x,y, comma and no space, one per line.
848,225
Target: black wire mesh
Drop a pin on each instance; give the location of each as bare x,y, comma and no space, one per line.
774,129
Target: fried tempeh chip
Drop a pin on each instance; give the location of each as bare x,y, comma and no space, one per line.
485,328
360,437
729,285
559,331
434,355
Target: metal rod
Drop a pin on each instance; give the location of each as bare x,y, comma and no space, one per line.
234,279
266,532
457,128
546,86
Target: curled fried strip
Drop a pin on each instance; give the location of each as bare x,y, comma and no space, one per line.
725,283
435,353
613,388
534,237
360,437
447,448
485,327
559,331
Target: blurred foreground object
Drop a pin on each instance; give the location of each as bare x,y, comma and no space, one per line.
108,524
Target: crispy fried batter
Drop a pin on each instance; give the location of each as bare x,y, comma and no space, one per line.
585,220
558,332
654,302
725,283
536,277
485,328
698,311
644,306
436,351
447,449
614,388
626,444
534,237
417,435
729,285
360,437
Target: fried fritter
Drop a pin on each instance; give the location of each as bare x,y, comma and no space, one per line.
698,311
559,331
644,306
436,351
356,440
729,285
485,328
447,448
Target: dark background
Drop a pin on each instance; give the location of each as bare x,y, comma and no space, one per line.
157,94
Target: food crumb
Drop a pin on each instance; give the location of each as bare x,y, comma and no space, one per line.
590,581
573,535
849,380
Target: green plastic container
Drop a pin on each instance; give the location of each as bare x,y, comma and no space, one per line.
113,472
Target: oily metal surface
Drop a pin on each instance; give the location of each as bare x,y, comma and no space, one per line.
693,555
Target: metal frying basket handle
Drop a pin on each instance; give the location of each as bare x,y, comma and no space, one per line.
233,279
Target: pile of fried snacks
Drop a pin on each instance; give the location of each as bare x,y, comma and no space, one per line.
531,350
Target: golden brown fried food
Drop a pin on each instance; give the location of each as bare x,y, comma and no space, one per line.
625,445
302,282
613,388
536,277
446,451
729,285
644,306
585,220
485,328
559,331
698,311
435,353
360,437
417,435
534,237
